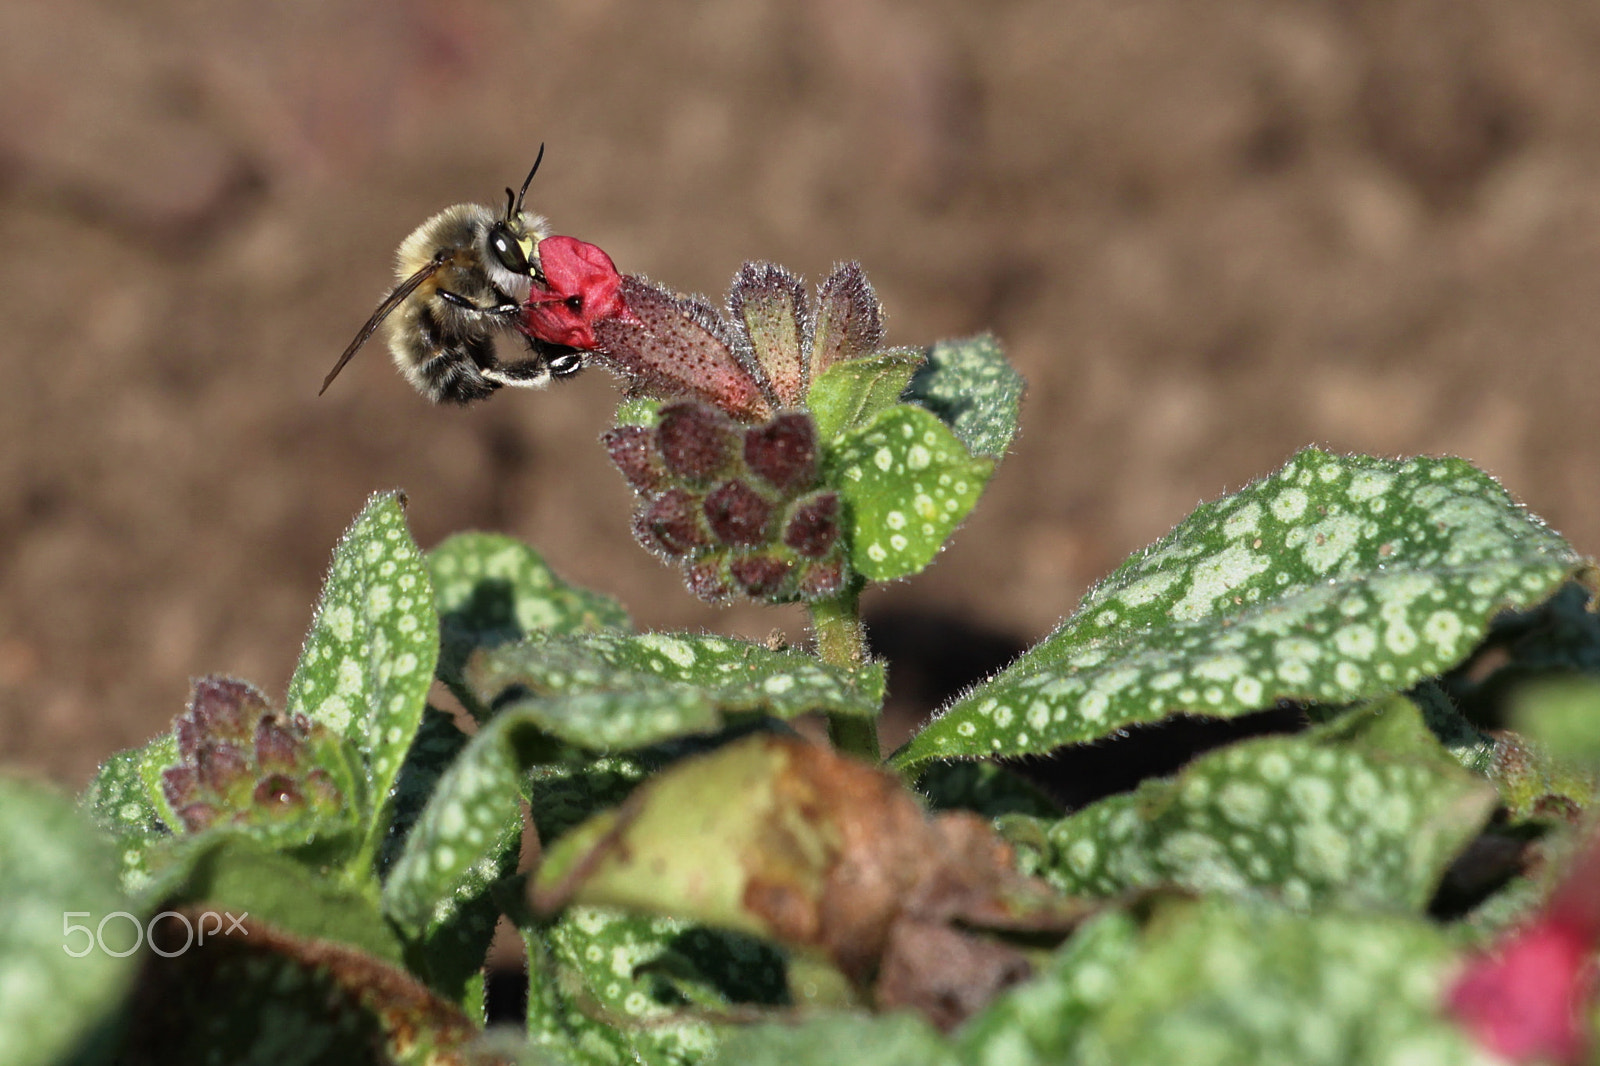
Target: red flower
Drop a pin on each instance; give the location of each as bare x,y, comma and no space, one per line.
1526,1000
581,288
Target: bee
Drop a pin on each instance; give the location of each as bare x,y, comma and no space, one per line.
463,277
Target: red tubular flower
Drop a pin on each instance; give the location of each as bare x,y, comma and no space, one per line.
581,287
1527,1000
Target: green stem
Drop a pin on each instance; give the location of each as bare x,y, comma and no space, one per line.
841,641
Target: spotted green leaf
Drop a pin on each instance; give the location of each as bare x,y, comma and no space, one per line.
368,659
610,987
1215,983
612,691
57,984
907,482
850,394
448,947
465,839
901,1039
563,795
238,874
1335,580
1367,811
970,385
119,803
494,590
1039,1020
986,788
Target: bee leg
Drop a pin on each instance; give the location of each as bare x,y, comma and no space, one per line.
562,361
504,308
544,363
524,373
456,375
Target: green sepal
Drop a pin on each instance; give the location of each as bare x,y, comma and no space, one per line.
850,394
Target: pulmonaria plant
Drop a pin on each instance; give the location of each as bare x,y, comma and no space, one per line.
1391,877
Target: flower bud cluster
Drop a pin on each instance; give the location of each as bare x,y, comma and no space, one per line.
242,763
730,477
740,507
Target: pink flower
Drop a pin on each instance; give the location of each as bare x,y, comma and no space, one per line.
1526,1000
581,287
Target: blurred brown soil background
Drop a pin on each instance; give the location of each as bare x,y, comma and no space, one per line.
1208,234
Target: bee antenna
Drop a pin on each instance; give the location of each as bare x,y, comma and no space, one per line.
529,179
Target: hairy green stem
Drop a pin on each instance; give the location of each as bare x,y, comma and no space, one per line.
841,641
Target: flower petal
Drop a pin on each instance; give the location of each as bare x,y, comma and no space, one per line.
675,346
849,319
581,287
771,304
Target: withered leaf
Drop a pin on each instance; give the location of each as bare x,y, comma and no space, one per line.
831,857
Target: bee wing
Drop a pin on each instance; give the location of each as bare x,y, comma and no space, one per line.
390,302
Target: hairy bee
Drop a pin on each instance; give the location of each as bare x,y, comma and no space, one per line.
463,277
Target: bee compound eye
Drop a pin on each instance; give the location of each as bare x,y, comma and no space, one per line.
507,251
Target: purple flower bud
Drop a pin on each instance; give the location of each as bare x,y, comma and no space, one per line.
323,791
822,579
813,527
849,321
633,450
276,747
760,575
770,303
197,816
784,452
179,786
188,735
672,524
674,345
696,441
275,791
738,514
224,708
708,578
219,764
